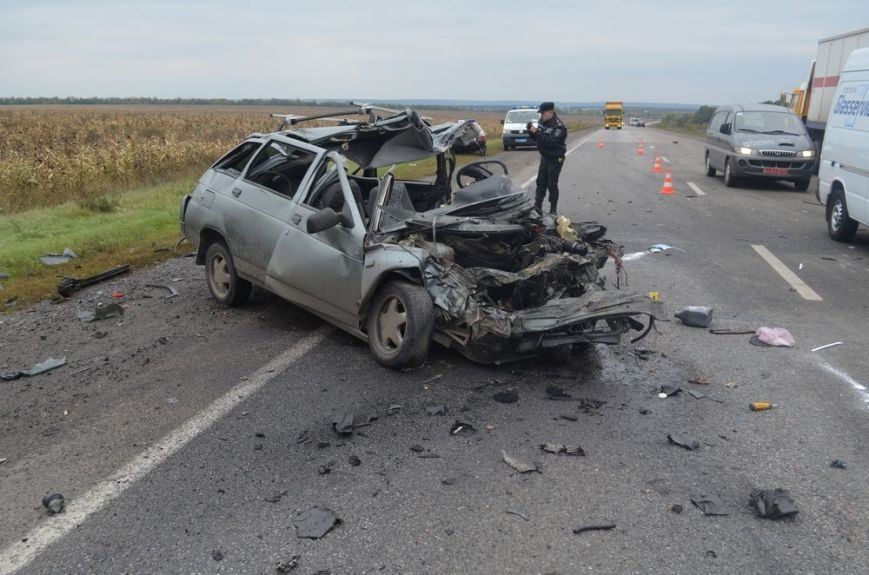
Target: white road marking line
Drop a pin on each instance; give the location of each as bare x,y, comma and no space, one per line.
651,147
665,159
859,387
533,179
18,554
799,285
696,189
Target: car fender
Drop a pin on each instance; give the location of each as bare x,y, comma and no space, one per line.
384,263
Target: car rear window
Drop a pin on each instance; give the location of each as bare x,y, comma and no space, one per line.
235,161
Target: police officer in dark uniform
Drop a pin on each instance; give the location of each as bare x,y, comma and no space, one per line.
550,136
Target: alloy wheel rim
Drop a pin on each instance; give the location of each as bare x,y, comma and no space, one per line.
392,324
836,215
219,275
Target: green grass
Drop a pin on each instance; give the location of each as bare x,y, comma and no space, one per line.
135,224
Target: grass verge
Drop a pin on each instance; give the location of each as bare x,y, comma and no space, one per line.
139,222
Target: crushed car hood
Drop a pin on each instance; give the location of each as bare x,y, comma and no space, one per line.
403,137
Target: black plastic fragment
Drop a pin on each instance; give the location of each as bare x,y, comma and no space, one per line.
773,504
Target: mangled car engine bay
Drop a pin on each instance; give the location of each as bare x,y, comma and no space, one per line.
506,281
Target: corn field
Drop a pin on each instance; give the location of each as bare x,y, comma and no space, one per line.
55,154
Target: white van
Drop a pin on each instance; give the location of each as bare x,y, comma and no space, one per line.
515,124
843,175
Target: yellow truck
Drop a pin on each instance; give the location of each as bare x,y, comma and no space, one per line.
613,115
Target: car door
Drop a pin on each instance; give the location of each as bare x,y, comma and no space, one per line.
264,202
722,139
322,271
712,138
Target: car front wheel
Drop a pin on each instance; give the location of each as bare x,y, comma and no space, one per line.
710,171
729,180
802,185
223,281
400,324
840,225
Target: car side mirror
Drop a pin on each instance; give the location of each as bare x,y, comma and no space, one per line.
725,128
323,220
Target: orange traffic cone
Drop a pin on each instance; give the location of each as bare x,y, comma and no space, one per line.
600,143
640,150
668,189
657,169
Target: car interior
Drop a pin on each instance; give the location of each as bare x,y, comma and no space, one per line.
280,167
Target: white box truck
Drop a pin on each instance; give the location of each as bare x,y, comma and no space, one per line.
812,100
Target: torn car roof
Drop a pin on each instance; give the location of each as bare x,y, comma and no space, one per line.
397,139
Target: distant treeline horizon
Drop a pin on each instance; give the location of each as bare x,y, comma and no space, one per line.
431,104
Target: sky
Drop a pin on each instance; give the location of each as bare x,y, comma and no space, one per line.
691,52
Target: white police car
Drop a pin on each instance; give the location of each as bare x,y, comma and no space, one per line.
515,131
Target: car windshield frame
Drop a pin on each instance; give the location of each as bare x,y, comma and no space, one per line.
795,128
521,116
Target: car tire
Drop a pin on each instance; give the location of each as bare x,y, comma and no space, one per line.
802,185
729,180
710,171
224,283
839,224
400,324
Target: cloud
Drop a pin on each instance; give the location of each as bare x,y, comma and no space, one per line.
570,51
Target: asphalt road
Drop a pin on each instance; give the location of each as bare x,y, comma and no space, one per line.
188,438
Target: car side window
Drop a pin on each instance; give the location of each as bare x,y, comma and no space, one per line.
327,192
235,161
716,121
280,167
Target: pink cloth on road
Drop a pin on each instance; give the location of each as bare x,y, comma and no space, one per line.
775,336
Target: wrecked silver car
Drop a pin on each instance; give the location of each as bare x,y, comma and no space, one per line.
302,213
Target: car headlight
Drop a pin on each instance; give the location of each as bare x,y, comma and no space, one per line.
743,151
807,154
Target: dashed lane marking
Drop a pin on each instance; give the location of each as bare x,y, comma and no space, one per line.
696,189
18,554
784,271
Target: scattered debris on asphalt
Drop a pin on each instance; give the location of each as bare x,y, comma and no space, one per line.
698,395
676,508
695,316
315,523
276,497
432,379
561,449
773,337
393,409
354,460
683,441
55,259
54,503
668,390
506,396
463,428
568,417
102,311
588,405
284,567
439,409
732,331
517,514
655,249
709,504
518,465
699,381
172,291
773,504
829,345
345,423
836,463
326,468
761,406
417,448
596,527
36,369
556,392
69,286
217,554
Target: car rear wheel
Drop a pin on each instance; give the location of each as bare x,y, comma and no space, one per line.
802,185
223,282
400,324
729,180
840,225
710,171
